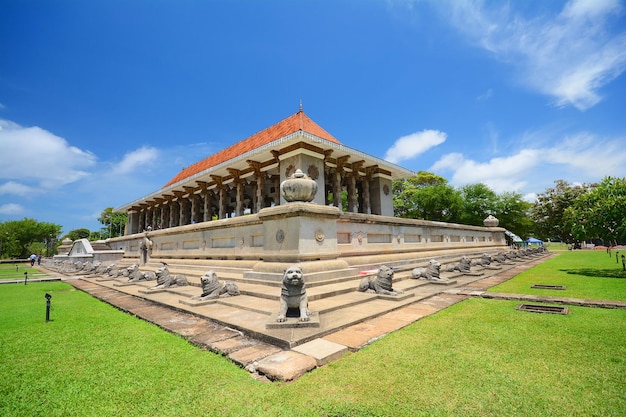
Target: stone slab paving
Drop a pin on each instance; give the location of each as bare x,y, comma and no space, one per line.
323,351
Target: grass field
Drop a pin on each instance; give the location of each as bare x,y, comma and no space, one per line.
477,358
16,270
585,274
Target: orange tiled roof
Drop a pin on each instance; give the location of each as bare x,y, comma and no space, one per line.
291,124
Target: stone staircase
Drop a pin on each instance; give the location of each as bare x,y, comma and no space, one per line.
335,302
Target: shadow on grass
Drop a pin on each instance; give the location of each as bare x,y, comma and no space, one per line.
597,273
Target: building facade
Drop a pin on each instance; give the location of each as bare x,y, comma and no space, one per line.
245,178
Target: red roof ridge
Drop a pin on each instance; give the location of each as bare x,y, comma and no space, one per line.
291,124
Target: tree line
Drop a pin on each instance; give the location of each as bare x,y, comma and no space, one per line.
564,213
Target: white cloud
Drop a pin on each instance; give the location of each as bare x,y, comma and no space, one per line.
135,160
12,209
32,153
500,174
584,156
412,145
16,188
569,57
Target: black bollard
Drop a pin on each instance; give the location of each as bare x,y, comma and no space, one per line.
25,277
623,263
616,253
48,297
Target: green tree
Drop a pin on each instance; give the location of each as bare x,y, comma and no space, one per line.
479,201
549,209
114,223
17,235
426,196
600,213
513,213
77,234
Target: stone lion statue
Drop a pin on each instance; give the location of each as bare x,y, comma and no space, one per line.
293,294
213,288
431,272
166,280
380,284
463,266
112,271
485,262
135,275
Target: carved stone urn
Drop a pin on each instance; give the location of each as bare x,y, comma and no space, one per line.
298,187
491,221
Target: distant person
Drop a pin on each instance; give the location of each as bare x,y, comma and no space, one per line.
39,260
32,259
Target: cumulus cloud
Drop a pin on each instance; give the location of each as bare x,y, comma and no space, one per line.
16,188
136,159
412,145
569,57
578,154
34,154
12,209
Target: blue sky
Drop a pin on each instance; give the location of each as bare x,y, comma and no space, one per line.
102,102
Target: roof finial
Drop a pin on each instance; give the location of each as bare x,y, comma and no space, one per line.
300,105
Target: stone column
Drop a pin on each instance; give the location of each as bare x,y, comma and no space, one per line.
239,198
174,213
208,205
366,196
133,222
184,211
352,203
223,195
260,192
196,205
276,181
165,216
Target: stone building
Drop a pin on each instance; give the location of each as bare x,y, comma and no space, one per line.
245,178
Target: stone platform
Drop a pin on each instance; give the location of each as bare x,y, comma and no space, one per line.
238,326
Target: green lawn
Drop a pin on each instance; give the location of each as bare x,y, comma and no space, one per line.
586,274
16,270
476,358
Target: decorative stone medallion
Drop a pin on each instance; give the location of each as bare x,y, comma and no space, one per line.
280,235
319,235
386,189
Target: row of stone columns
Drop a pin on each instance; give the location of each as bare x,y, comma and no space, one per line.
192,206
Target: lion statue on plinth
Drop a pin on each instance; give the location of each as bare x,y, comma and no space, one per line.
463,266
166,280
430,273
379,284
135,275
213,288
293,295
485,262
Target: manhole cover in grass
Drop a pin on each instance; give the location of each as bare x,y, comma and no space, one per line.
549,287
537,308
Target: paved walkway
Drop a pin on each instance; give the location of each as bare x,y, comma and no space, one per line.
268,362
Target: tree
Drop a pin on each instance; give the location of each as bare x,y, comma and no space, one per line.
426,196
600,213
479,201
513,213
77,234
548,212
114,223
16,236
